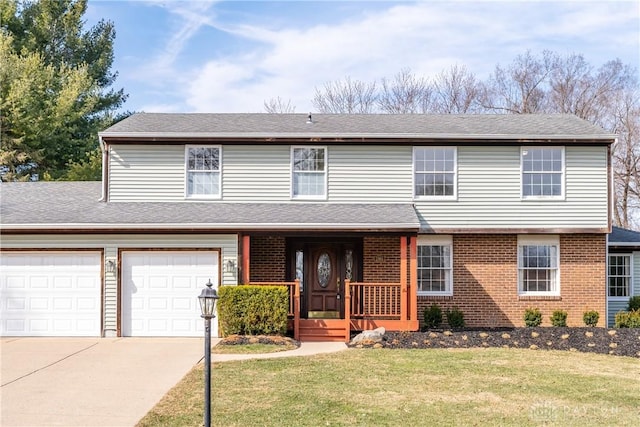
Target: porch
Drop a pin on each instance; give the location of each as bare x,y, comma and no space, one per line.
331,310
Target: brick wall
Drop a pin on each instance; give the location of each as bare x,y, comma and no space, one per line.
268,259
485,280
381,259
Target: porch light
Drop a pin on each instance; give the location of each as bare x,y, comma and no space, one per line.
230,266
110,266
207,298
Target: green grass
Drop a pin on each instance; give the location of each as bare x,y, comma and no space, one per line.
251,348
412,387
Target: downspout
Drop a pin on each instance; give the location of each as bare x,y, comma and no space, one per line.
105,163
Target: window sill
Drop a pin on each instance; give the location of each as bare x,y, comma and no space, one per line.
539,298
435,297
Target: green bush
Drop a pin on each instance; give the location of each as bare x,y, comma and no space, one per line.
628,319
532,317
455,318
253,310
634,303
432,316
591,317
559,318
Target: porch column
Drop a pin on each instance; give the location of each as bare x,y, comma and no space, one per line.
413,278
404,285
246,258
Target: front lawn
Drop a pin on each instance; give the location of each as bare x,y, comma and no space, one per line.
369,387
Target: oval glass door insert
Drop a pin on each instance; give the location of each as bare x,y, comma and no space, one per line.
324,269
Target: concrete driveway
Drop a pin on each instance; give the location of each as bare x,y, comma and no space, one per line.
89,381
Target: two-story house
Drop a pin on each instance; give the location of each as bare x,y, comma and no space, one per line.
368,219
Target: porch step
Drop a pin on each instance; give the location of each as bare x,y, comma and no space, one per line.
322,330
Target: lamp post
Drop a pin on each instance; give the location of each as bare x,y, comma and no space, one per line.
207,299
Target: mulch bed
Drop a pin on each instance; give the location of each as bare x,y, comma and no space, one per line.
619,342
259,339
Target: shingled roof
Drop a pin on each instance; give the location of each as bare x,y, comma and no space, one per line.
623,237
68,206
351,126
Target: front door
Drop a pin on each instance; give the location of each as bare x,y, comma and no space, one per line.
324,299
322,265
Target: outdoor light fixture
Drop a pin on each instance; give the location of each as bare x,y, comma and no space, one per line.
207,298
230,266
110,266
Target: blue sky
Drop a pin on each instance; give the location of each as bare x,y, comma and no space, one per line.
231,56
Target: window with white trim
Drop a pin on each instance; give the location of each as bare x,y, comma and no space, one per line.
435,265
542,172
308,172
619,275
434,172
538,260
202,171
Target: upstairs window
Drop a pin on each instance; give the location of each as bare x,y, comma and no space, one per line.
619,275
538,260
203,172
309,172
542,172
434,172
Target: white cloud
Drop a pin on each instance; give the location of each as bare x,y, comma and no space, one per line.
427,37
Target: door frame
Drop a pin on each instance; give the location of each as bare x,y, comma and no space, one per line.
306,245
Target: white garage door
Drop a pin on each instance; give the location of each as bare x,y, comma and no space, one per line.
160,292
50,293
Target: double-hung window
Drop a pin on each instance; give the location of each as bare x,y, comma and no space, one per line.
619,275
542,172
538,260
308,172
202,171
435,265
434,172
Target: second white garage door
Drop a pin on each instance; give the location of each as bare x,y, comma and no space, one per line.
160,292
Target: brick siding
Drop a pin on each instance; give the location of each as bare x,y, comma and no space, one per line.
268,259
381,255
485,281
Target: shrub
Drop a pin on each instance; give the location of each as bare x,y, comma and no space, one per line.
532,317
591,317
455,318
253,310
559,318
433,316
628,319
634,303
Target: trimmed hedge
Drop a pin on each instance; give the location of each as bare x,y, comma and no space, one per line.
253,310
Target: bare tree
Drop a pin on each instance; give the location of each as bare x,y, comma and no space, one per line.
347,96
521,87
626,160
278,106
405,94
456,91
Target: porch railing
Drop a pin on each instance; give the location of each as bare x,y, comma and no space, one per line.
375,300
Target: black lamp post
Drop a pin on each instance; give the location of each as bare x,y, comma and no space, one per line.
208,299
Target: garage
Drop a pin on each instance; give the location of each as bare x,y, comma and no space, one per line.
50,293
159,295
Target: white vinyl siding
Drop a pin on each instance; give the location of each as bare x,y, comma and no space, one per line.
227,243
143,173
489,193
370,174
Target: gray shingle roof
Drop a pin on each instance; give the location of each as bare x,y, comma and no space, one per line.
76,205
525,126
622,235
